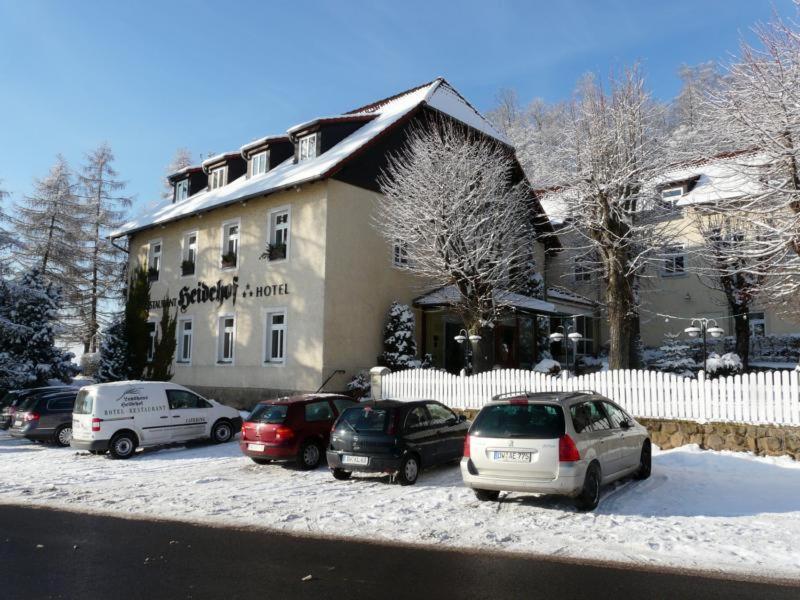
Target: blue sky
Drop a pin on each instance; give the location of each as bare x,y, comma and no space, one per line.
149,77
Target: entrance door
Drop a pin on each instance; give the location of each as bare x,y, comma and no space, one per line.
453,351
505,346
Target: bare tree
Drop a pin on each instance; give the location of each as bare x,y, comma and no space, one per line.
6,239
103,209
611,146
181,160
457,203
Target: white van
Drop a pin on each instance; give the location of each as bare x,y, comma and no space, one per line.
119,417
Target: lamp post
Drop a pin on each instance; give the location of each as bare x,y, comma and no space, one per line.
705,327
571,334
462,337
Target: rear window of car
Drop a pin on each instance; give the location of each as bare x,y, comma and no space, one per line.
364,418
28,403
83,403
269,413
533,421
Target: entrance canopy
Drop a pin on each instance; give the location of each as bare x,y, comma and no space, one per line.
450,295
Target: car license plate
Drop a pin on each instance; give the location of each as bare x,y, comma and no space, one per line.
17,423
256,447
355,460
509,456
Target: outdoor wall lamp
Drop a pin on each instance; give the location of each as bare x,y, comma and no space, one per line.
573,335
705,327
462,337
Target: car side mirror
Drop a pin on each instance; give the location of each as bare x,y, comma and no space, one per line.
462,418
625,424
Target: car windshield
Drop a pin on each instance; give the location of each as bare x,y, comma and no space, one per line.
269,413
532,421
364,418
83,403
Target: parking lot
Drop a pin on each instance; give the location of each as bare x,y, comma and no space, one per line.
700,509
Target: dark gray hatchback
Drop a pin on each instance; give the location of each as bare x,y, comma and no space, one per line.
400,438
46,418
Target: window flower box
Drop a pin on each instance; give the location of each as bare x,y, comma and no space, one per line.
229,260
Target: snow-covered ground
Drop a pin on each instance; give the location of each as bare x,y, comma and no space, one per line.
700,509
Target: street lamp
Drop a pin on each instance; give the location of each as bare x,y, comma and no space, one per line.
571,334
462,337
706,327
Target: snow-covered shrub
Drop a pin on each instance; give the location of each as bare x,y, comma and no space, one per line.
360,386
723,366
399,345
113,364
543,339
548,365
674,356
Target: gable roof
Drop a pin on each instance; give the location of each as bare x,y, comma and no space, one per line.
438,94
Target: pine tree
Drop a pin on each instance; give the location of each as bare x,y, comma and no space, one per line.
137,310
28,327
675,356
103,209
114,352
160,368
49,229
181,160
399,345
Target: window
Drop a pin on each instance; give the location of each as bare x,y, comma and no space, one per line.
181,399
400,254
758,325
154,260
185,341
216,178
307,147
615,415
279,221
151,340
226,340
319,411
587,417
61,404
582,271
342,403
258,164
585,326
181,190
269,413
674,262
416,419
533,421
230,245
275,338
440,415
671,195
189,253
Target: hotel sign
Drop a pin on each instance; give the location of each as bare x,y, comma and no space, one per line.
220,292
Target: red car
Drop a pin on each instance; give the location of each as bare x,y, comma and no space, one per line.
292,429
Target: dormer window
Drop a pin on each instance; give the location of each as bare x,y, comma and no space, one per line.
181,190
217,177
671,195
258,164
307,147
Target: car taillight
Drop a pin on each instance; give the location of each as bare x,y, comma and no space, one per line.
284,433
567,450
32,416
466,447
96,424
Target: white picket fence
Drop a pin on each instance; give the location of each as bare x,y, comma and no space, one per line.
754,398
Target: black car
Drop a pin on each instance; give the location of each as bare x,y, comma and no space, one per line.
46,418
13,399
401,438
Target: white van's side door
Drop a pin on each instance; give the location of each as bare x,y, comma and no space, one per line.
154,418
189,414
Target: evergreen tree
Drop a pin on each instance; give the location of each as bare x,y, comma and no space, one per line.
103,210
137,310
160,368
675,356
114,352
399,345
29,357
181,160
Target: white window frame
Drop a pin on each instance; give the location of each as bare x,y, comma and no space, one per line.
221,340
151,340
307,147
217,177
266,339
271,229
671,254
581,271
223,248
260,159
186,248
672,198
752,322
181,189
152,255
180,359
400,255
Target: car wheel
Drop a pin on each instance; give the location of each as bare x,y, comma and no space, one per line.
486,495
409,470
645,461
310,455
260,461
221,432
122,446
341,474
63,436
589,497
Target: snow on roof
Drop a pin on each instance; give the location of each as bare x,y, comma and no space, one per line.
449,295
218,157
438,94
562,293
263,140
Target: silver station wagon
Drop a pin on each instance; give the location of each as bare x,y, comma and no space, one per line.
564,443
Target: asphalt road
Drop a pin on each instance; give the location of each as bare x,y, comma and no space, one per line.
54,554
